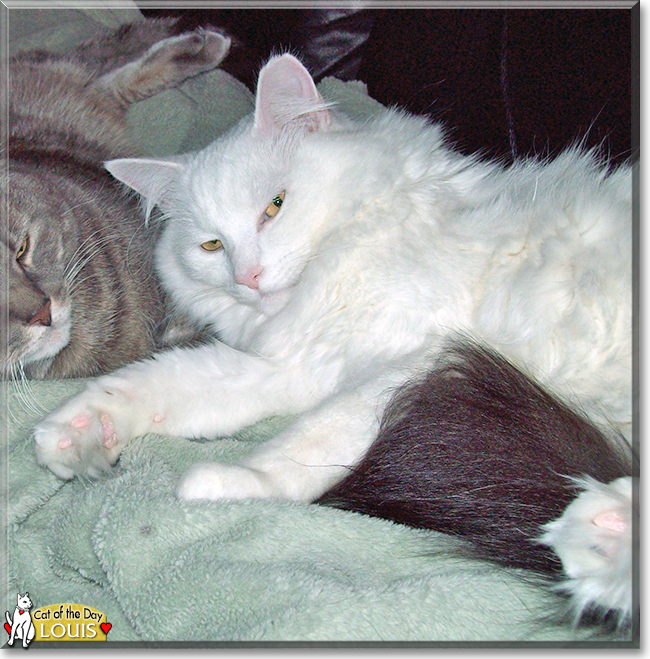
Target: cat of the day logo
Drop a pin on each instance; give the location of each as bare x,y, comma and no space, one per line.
56,622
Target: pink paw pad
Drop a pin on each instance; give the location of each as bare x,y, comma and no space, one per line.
109,438
66,442
611,520
81,421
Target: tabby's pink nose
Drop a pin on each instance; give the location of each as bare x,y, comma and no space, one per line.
43,316
250,278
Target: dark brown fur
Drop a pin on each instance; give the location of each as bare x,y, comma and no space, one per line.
477,449
79,296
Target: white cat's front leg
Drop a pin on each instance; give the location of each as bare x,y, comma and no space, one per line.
209,391
303,461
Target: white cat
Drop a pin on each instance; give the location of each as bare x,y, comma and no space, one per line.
22,626
331,258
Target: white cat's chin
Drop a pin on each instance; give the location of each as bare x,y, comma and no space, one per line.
274,301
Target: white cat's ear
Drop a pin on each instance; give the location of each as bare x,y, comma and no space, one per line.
151,178
287,94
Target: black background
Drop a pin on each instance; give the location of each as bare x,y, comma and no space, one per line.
504,82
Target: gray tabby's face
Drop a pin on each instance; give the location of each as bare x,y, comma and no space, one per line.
40,257
78,295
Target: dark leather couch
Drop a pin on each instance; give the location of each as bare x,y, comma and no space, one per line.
509,82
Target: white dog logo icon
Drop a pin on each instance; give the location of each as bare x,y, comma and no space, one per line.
21,626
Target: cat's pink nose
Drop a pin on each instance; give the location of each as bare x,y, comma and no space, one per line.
250,278
43,316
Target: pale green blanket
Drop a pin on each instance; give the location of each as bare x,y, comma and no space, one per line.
163,570
239,571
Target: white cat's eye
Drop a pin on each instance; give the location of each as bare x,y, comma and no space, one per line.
22,250
212,245
274,207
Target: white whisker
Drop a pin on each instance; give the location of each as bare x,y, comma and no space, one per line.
26,396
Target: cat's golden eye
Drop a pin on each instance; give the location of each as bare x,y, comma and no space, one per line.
22,250
212,245
274,207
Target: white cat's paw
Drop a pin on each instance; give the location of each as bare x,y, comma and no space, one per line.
593,539
85,435
213,481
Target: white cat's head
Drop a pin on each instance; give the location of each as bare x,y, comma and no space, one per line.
24,602
243,213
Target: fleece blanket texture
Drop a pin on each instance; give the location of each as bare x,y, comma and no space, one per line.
164,570
252,571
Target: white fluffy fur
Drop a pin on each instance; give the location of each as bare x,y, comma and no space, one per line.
593,540
387,241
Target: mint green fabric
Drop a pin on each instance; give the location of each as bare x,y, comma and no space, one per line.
163,570
239,571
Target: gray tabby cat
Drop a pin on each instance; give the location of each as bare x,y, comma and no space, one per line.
78,295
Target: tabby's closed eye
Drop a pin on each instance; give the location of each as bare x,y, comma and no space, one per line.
273,208
22,250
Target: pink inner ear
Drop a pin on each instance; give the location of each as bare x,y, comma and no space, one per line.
611,520
285,91
148,176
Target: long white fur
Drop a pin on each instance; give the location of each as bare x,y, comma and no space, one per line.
387,241
593,539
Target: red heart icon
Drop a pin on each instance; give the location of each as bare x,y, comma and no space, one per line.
8,628
106,627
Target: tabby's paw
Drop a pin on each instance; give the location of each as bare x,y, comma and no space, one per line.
199,51
180,57
165,65
593,539
85,435
213,481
